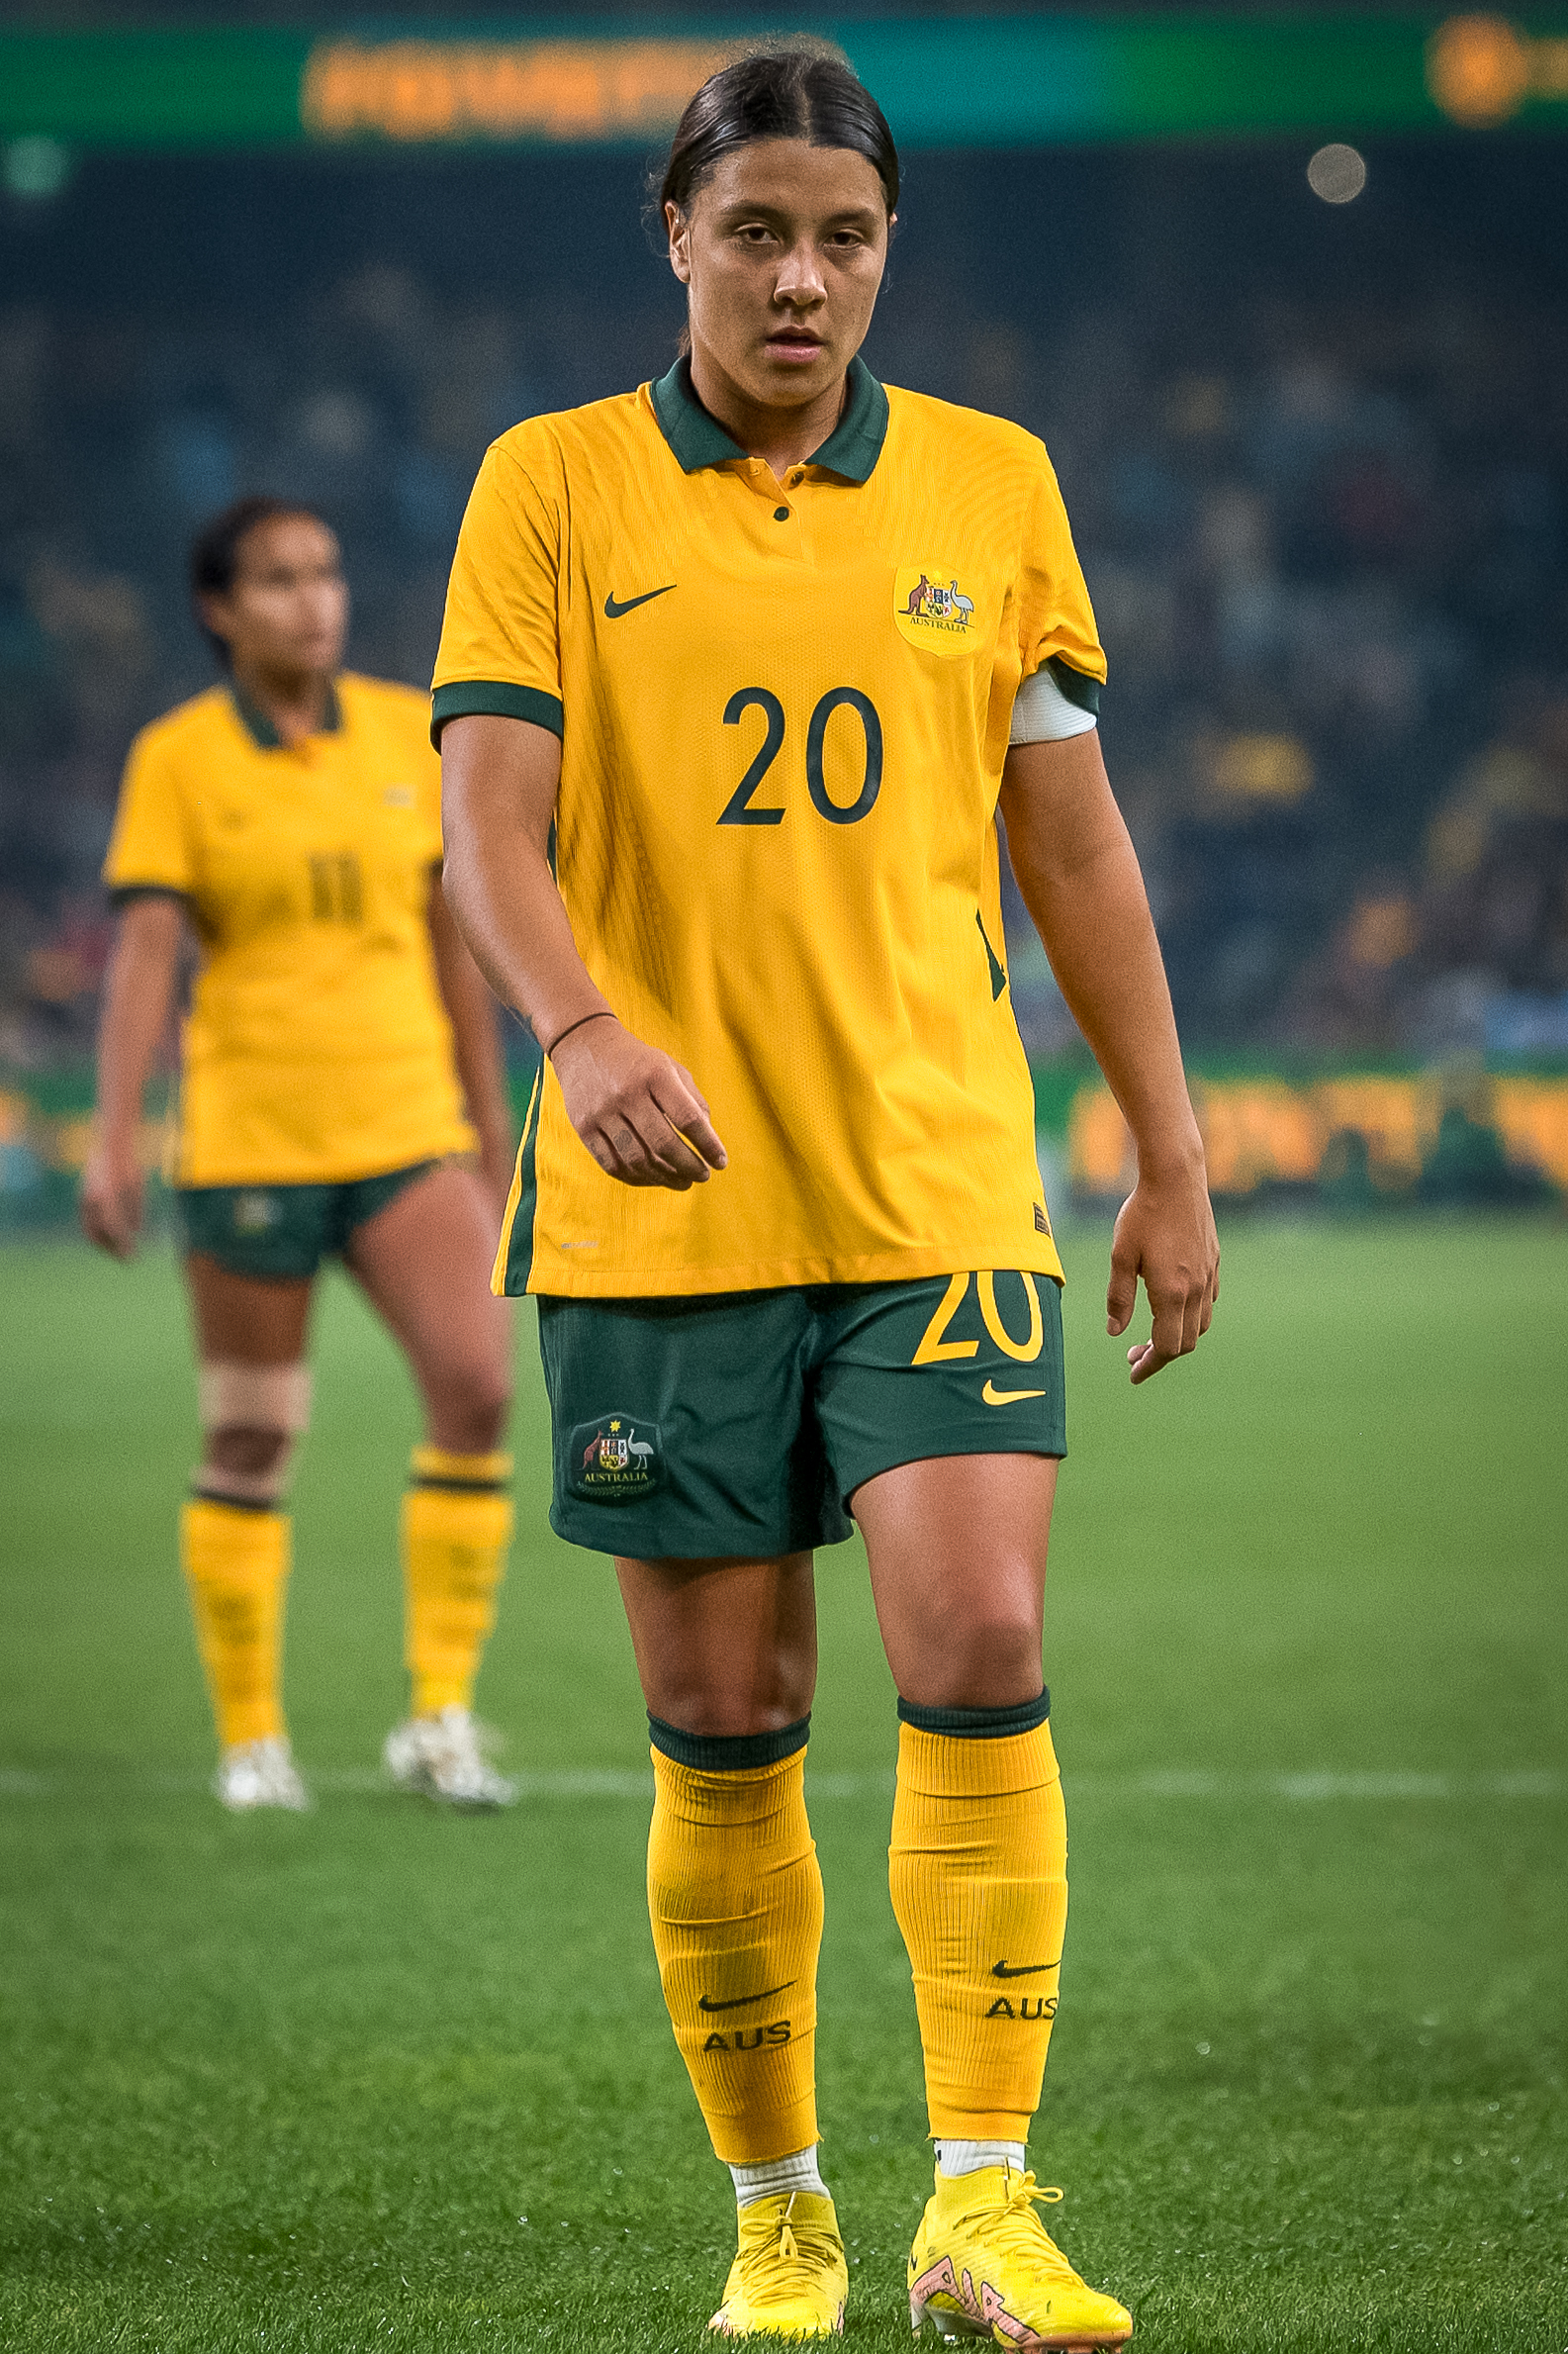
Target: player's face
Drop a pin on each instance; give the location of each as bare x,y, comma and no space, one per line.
782,251
288,608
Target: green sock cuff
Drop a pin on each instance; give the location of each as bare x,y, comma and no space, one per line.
481,1474
977,1723
265,1505
728,1752
456,1488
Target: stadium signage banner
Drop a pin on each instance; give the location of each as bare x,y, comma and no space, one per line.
560,92
1260,1133
1021,80
1263,1132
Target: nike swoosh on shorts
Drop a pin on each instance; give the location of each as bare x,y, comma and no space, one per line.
1007,1397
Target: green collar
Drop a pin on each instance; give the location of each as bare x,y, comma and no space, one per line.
699,439
260,729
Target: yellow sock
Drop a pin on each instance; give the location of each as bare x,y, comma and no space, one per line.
237,1567
456,1527
978,1870
735,1898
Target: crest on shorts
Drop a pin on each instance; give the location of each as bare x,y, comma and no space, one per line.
615,1460
255,1213
933,610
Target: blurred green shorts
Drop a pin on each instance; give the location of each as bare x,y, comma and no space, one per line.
741,1424
281,1233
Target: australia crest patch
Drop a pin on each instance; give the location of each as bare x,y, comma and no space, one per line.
933,611
615,1460
255,1212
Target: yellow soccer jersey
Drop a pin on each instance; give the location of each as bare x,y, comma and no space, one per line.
317,1047
784,713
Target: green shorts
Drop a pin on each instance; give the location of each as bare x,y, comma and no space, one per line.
281,1233
742,1423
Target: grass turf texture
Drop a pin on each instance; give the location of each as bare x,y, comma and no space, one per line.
292,2084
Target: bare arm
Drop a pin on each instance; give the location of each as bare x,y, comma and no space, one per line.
640,1114
475,1043
1078,874
138,990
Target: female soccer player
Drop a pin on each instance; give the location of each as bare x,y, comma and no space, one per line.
341,1063
766,645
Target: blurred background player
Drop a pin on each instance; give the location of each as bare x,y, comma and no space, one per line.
341,1066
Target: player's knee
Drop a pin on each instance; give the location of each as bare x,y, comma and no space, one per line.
253,1451
729,1689
722,1712
470,1409
991,1659
250,1417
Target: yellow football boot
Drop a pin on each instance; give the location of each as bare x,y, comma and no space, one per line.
788,2278
983,2265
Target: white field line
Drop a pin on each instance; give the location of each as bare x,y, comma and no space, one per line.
587,1782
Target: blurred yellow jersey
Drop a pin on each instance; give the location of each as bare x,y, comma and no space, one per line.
317,1047
783,711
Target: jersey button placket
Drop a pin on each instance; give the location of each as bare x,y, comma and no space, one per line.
787,511
782,515
767,486
789,542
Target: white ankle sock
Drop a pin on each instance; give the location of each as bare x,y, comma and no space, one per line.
967,2157
797,2173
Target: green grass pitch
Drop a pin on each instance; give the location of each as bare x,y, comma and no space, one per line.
380,2078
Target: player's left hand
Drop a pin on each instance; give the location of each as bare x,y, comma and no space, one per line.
1165,1234
110,1204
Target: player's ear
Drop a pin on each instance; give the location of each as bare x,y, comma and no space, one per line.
888,256
679,227
215,617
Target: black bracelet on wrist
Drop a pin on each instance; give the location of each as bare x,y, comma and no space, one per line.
602,1014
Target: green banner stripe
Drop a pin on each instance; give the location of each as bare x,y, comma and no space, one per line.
956,82
1338,75
214,88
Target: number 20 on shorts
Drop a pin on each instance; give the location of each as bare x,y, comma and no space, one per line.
935,1347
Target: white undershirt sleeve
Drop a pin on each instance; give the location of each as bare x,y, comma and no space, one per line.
1043,714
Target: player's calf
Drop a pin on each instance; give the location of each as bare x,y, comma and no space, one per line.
235,1542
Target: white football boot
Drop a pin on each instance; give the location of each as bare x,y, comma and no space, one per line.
259,1773
444,1758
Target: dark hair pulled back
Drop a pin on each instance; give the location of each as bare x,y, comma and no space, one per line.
805,90
215,551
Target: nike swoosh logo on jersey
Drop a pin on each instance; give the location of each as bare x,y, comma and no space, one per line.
739,2002
1007,1397
614,611
1021,1969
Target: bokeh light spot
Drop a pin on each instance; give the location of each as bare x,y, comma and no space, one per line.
35,169
1479,68
1336,173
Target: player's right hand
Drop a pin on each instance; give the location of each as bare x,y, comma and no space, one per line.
640,1114
110,1206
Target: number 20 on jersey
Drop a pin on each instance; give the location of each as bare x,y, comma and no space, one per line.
742,808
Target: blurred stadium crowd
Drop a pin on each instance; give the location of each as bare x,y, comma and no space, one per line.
1322,509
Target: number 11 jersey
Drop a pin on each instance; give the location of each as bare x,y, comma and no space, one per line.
783,709
316,1049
